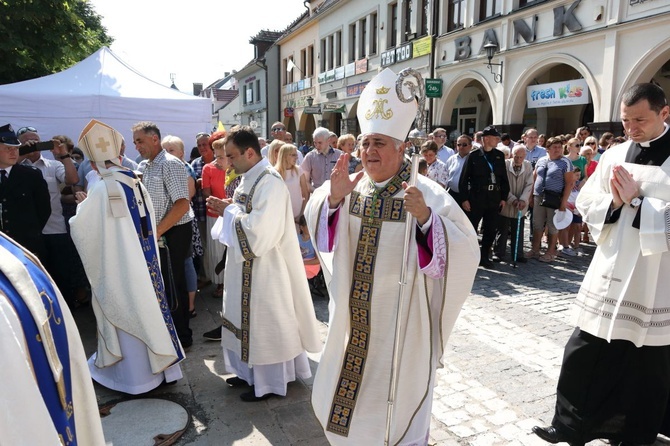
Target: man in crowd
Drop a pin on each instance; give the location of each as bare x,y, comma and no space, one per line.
506,141
520,177
477,140
318,163
24,197
56,172
278,131
199,207
46,389
268,315
485,188
455,166
361,219
533,151
614,379
165,179
444,152
138,347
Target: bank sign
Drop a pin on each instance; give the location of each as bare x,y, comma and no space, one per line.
558,94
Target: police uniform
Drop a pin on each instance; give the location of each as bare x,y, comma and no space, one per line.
484,184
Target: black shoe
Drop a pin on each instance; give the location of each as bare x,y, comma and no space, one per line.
250,397
237,382
496,258
192,314
552,435
487,264
186,343
213,335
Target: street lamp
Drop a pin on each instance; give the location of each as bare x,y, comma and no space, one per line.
310,100
490,51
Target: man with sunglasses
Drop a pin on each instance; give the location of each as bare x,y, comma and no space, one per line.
25,205
278,131
443,151
455,166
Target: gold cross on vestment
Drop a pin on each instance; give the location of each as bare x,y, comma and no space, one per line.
102,144
365,240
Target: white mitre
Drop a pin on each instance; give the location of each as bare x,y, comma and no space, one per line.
381,111
100,143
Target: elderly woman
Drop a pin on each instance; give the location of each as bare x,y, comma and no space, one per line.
552,177
437,170
175,146
347,143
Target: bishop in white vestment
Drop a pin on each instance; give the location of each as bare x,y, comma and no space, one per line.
45,386
114,232
268,315
361,220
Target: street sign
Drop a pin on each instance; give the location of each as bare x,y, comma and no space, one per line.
433,88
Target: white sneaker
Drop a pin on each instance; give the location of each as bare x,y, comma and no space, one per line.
569,252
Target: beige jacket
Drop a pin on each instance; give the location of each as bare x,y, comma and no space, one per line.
520,187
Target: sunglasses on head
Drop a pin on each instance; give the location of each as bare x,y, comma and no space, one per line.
23,130
201,134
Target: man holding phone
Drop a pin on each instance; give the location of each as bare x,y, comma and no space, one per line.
55,171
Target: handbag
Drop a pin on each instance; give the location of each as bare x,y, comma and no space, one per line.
550,199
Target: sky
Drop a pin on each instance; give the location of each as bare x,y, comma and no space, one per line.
197,40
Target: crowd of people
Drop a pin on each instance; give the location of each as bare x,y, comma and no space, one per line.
255,220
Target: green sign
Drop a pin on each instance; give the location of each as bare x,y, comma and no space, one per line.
433,88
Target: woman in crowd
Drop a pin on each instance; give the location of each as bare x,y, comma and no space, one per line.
175,146
437,170
296,183
582,133
571,151
603,144
347,143
542,140
552,178
273,151
214,184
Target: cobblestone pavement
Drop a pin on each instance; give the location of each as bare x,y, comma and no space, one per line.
499,380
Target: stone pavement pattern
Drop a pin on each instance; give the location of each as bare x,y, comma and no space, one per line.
499,379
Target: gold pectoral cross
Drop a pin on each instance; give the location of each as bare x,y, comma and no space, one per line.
367,243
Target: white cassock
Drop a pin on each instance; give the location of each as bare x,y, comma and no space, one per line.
137,345
25,418
268,315
366,237
625,290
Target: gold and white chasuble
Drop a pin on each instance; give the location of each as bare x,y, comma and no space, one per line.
268,315
352,381
626,290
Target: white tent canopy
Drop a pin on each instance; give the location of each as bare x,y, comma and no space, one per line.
103,87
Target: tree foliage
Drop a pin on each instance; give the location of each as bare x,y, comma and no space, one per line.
41,37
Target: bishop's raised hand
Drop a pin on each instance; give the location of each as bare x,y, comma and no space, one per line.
341,184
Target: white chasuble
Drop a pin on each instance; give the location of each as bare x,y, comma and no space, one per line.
625,290
352,382
268,315
123,282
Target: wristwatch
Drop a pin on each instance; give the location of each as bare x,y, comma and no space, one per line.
637,201
67,155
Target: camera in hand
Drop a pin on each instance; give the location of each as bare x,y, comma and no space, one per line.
42,145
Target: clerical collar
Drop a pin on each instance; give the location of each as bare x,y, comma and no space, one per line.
261,165
648,143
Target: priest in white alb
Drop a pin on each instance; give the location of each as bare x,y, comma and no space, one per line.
45,387
114,231
360,218
268,315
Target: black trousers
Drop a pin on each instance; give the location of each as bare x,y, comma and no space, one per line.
613,390
178,241
506,226
58,263
489,215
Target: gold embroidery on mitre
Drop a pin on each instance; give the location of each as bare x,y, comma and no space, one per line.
382,90
379,111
